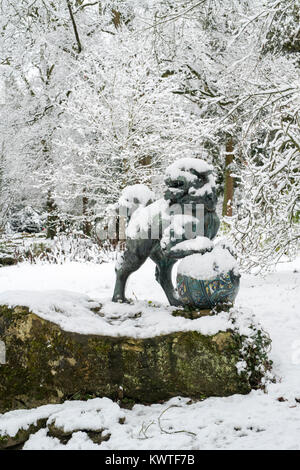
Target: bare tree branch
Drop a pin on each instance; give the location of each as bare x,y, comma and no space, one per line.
74,27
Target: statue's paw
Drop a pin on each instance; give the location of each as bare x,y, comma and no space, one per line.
120,300
175,301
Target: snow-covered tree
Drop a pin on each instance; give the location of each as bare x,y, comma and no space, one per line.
100,95
123,121
266,226
229,62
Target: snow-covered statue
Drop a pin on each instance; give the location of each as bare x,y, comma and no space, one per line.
180,225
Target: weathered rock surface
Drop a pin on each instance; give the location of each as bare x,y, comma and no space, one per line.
45,364
98,418
7,442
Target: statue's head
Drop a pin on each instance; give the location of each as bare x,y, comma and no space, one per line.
190,180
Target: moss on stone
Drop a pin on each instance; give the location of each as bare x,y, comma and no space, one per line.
48,365
22,435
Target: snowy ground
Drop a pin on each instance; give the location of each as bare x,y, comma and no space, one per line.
256,421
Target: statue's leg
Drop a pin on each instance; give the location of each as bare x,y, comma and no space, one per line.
136,253
163,275
211,225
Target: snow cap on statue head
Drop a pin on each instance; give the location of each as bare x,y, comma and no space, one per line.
189,180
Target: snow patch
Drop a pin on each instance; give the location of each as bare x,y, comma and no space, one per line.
209,265
137,194
72,312
182,169
92,415
196,244
145,217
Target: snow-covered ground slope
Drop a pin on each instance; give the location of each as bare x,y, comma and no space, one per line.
256,421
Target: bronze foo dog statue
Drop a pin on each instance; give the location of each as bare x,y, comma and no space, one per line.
151,230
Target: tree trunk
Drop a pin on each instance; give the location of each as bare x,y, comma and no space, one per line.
116,18
228,180
52,218
87,229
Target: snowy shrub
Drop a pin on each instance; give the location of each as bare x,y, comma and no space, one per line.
254,345
69,248
27,220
